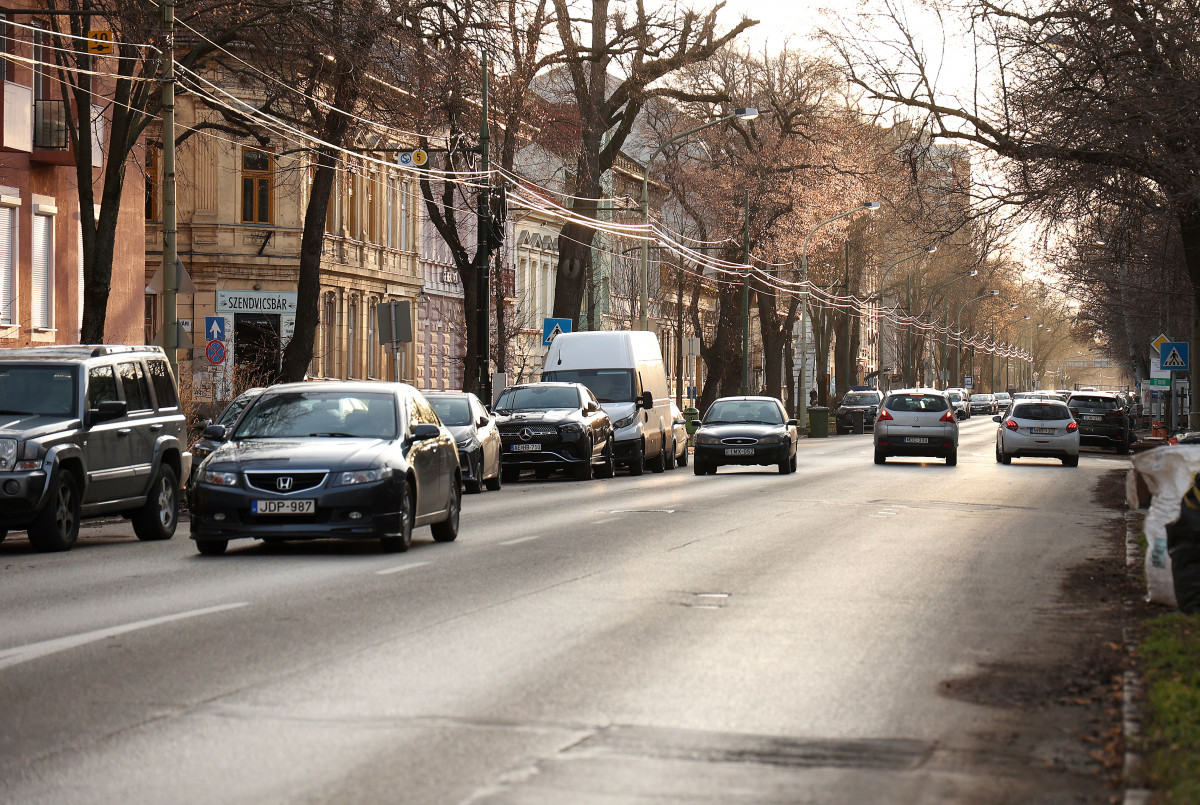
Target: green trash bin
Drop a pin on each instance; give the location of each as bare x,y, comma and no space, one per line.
818,422
692,419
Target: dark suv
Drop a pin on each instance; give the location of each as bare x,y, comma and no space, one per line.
548,426
1103,420
858,403
87,431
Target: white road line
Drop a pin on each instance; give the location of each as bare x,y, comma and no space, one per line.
605,520
520,540
400,568
20,654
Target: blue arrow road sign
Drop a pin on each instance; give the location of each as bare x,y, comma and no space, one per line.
554,327
1174,355
214,328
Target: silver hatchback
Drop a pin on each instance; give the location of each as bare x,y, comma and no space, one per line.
1038,428
916,422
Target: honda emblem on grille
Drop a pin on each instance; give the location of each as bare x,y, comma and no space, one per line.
526,434
283,483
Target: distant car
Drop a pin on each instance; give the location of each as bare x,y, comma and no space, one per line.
1003,400
554,425
959,403
854,403
1037,428
1103,420
983,403
679,430
746,430
204,445
342,460
917,422
476,435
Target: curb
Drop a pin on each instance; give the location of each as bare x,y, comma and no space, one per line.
1131,690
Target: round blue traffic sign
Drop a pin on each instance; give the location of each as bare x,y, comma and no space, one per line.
215,352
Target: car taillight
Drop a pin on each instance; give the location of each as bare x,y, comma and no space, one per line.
1116,414
948,416
1072,427
884,415
1011,424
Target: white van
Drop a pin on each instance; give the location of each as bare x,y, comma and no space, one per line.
625,371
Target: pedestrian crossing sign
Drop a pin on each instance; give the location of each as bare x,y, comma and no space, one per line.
552,328
1174,355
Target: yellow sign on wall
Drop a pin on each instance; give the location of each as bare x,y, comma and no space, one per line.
100,42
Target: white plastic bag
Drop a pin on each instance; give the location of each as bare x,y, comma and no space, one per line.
1168,472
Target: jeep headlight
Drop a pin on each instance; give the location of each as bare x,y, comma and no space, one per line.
362,476
8,454
626,421
220,478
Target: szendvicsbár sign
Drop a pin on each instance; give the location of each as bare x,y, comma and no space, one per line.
278,302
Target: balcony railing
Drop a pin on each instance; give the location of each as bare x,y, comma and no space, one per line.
50,126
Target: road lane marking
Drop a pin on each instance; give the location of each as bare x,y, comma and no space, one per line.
400,568
519,540
605,520
20,654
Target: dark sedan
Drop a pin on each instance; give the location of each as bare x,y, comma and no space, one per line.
745,430
347,460
205,445
474,429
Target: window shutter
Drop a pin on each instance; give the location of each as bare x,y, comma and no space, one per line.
8,284
42,284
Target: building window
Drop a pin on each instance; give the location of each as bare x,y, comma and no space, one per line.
8,42
372,346
330,316
404,217
391,212
150,318
256,186
352,337
41,286
8,265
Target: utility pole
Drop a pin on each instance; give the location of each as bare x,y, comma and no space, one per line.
170,256
846,291
482,247
746,298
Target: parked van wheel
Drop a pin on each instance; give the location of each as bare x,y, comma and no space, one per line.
637,462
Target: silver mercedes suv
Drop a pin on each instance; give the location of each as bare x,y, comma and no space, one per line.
88,431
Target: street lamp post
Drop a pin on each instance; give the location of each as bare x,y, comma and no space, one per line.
958,327
741,113
802,408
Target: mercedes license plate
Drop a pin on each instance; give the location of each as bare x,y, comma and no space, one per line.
527,448
1093,417
916,440
739,451
1042,431
282,506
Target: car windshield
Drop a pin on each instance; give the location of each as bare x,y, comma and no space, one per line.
916,402
955,396
292,414
37,390
760,412
231,412
1041,411
609,385
453,411
865,398
1095,403
538,398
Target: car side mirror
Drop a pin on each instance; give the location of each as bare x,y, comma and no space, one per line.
483,421
793,423
995,419
108,411
425,432
591,407
214,432
646,400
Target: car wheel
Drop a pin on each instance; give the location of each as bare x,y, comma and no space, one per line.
792,464
880,457
952,458
699,467
583,470
57,527
1070,461
3,534
669,458
609,468
999,458
475,485
1005,458
683,457
510,474
211,547
407,515
783,467
659,464
493,484
637,463
447,530
157,519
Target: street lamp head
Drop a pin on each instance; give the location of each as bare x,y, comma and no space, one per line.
1026,318
1013,305
993,293
930,249
973,272
871,205
745,113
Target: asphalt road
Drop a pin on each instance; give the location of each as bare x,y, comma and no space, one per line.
748,637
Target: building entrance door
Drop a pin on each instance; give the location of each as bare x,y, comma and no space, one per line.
257,350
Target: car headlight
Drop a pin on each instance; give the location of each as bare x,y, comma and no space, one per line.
466,444
571,427
220,478
626,421
780,439
362,476
705,438
8,454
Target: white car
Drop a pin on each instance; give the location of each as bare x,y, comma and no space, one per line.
1037,428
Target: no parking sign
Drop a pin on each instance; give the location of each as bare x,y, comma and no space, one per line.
215,352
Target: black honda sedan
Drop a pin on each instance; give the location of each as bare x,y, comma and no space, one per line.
745,430
345,460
